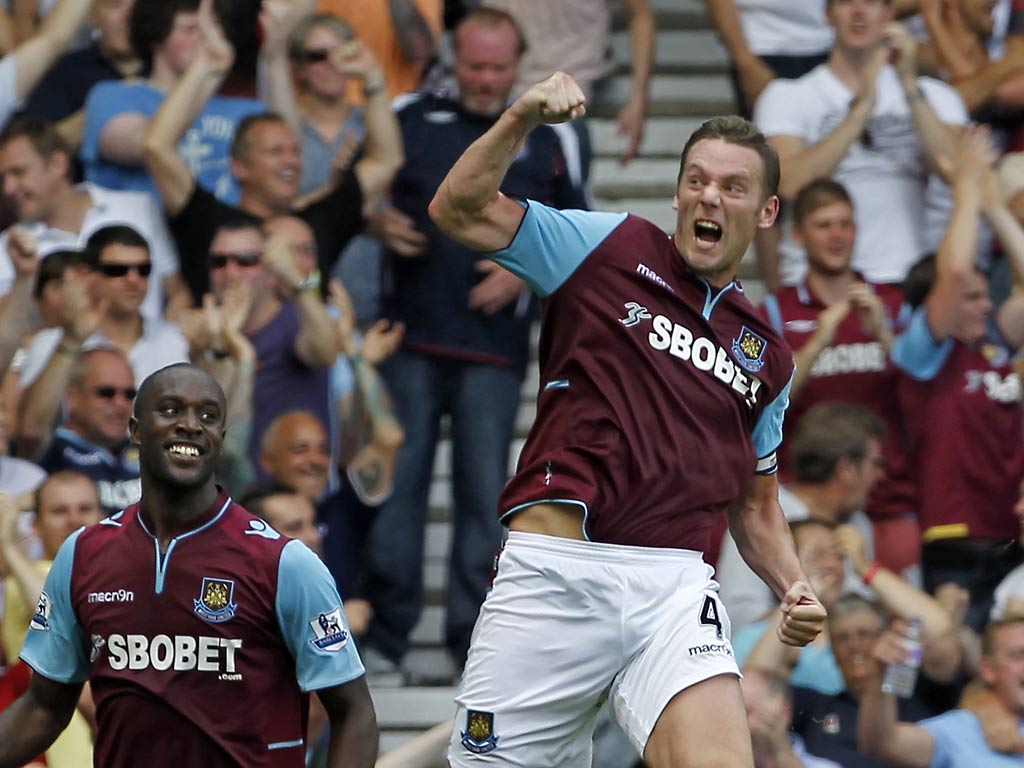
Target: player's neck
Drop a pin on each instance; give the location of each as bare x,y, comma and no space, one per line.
170,510
830,288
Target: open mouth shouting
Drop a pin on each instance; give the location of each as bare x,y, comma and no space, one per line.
707,233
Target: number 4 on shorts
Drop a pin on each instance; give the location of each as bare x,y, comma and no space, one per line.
709,615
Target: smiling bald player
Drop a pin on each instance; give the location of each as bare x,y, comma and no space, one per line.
200,628
661,405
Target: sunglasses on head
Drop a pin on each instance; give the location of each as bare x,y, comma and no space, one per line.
109,393
314,55
120,270
220,260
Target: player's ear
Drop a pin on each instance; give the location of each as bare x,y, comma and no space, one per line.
133,430
769,212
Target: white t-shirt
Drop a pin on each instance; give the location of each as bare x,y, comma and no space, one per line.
886,174
162,344
8,88
136,209
785,27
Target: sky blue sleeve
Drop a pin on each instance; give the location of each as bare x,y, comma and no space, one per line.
917,352
313,621
55,645
551,244
768,432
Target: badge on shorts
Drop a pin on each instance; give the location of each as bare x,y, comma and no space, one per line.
748,349
214,602
479,735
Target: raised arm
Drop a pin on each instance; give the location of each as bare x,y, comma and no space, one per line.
900,598
937,138
36,55
753,73
316,343
641,40
879,731
34,721
182,106
762,536
383,154
1007,228
415,35
40,403
802,164
468,206
29,580
955,258
828,323
16,306
278,19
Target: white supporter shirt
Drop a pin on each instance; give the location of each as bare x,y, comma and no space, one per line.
135,209
162,344
886,174
8,88
785,27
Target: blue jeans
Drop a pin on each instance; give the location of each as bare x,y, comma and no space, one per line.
482,402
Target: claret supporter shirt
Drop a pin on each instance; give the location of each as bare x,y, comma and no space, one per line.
660,395
198,655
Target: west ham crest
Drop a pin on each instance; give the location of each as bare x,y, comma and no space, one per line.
748,349
479,735
214,603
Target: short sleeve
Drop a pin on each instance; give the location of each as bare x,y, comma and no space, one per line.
313,621
551,244
774,111
55,646
949,106
917,352
103,102
768,431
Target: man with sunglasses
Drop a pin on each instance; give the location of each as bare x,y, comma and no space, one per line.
93,436
118,258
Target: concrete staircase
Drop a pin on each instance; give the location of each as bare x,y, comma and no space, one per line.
689,85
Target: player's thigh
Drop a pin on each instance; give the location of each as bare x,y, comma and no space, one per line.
544,652
703,726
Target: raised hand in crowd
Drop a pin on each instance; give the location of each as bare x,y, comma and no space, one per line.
498,288
16,306
871,312
397,231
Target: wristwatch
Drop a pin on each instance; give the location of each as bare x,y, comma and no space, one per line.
311,281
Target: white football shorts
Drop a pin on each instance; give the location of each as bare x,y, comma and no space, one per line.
569,624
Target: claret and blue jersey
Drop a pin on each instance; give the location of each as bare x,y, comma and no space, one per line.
197,655
660,395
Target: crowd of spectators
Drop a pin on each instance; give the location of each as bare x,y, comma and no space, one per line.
245,186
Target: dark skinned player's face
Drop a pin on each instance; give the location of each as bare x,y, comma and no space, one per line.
179,426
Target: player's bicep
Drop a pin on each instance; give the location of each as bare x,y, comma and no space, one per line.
767,435
551,244
489,230
313,622
55,644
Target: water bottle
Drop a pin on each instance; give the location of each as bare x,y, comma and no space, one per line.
900,678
